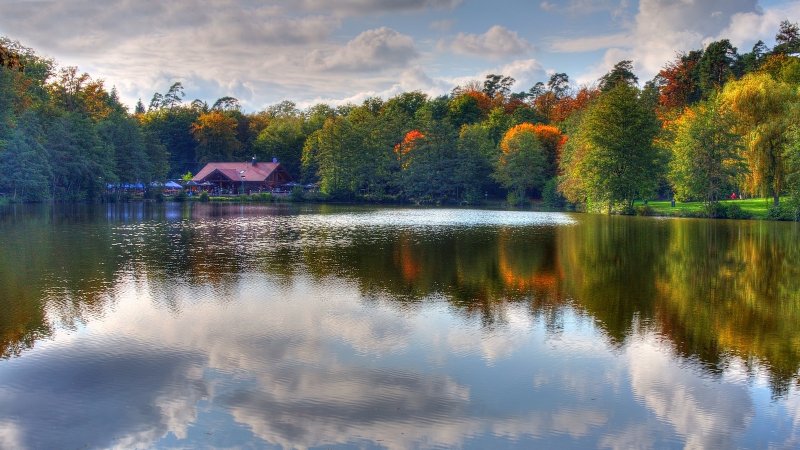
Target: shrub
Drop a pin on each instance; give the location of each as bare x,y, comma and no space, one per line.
180,197
785,211
297,194
204,196
645,210
734,211
715,210
627,210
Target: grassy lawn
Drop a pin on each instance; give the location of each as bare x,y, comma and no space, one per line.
757,207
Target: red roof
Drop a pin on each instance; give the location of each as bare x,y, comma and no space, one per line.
233,170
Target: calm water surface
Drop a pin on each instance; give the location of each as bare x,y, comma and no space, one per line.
208,326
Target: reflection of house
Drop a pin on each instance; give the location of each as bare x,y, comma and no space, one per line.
252,176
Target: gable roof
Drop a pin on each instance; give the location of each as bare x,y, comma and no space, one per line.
233,170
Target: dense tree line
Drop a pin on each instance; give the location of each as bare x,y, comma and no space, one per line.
712,122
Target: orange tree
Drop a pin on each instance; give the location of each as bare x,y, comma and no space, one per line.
522,163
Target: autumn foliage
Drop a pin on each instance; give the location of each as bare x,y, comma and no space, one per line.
408,143
549,138
679,83
564,107
483,101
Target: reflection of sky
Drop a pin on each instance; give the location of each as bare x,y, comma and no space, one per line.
311,364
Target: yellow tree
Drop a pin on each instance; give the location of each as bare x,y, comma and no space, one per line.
705,153
762,109
215,134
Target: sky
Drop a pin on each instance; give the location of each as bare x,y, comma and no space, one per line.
339,51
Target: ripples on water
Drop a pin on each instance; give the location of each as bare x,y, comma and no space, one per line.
260,326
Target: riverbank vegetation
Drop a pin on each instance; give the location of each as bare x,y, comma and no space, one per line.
714,122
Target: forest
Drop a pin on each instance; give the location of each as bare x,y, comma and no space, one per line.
712,122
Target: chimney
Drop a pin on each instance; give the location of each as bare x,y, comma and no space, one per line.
274,160
255,160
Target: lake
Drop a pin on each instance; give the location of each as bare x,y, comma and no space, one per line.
260,326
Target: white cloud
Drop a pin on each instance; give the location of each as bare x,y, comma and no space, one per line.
526,72
747,27
10,435
264,51
377,6
413,79
496,42
615,7
78,26
548,6
709,416
376,49
663,28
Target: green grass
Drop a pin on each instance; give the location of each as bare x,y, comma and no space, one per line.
756,207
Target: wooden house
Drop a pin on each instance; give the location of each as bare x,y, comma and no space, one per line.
242,176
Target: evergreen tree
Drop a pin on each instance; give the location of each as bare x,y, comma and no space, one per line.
24,163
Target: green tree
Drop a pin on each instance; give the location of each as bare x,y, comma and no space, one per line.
124,136
752,61
350,154
283,139
474,160
498,123
172,128
464,110
333,150
429,166
705,153
157,156
522,164
718,64
8,99
622,73
24,163
787,41
610,158
404,107
558,84
497,85
81,162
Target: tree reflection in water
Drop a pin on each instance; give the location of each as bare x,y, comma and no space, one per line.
719,294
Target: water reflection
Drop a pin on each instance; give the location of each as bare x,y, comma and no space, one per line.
215,325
